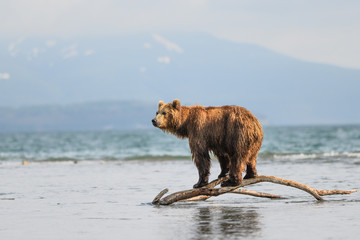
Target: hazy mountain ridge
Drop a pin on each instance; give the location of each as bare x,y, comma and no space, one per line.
106,115
196,68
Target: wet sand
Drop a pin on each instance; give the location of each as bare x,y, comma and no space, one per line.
90,200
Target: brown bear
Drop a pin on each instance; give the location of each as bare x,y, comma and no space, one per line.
231,133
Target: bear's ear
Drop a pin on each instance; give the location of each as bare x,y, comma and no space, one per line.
160,104
176,104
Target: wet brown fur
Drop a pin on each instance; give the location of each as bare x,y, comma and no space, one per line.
231,133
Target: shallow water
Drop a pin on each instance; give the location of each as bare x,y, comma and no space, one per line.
321,143
83,186
112,200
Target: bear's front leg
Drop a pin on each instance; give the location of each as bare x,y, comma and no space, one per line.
223,173
202,182
202,162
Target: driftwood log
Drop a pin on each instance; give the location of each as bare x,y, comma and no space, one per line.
201,194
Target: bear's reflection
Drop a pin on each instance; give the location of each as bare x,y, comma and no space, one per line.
226,221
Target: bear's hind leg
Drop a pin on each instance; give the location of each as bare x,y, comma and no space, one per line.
250,171
251,166
224,164
235,174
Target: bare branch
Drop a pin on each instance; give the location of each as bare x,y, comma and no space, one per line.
237,191
285,182
159,196
196,199
334,192
200,194
257,194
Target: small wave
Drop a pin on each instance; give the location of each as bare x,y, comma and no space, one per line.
58,160
325,156
297,156
83,159
158,158
270,156
353,154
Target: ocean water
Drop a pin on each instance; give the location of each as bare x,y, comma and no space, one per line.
320,143
99,185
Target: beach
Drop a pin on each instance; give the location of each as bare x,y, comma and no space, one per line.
112,200
108,198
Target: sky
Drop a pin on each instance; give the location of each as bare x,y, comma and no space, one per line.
324,31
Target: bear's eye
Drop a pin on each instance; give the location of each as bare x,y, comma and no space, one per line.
164,113
157,113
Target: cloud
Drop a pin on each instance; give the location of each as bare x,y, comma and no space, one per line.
13,47
142,69
35,51
50,43
147,45
89,52
163,60
171,46
14,44
70,51
4,76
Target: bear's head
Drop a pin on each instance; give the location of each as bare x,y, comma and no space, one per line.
167,115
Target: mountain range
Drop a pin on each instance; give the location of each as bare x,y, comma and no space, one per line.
193,67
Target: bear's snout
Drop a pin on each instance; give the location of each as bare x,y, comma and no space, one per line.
154,122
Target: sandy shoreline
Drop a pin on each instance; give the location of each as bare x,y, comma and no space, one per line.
111,200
